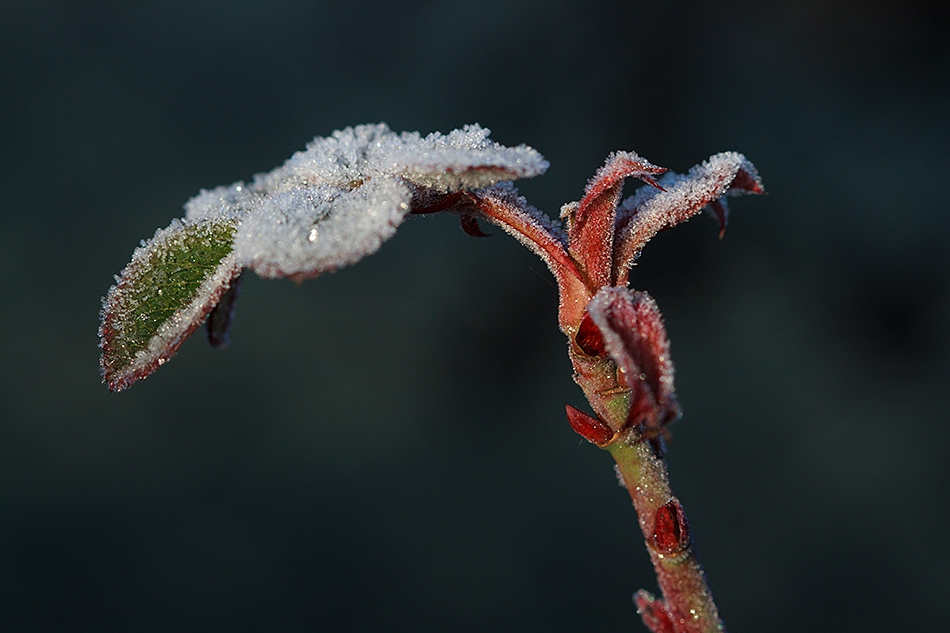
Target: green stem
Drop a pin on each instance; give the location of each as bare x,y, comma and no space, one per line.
687,599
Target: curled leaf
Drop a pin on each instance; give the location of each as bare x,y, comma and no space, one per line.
649,210
635,339
591,222
163,295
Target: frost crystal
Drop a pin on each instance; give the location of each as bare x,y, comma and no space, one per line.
326,207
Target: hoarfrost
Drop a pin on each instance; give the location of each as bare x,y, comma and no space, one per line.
462,159
341,197
173,281
233,201
304,232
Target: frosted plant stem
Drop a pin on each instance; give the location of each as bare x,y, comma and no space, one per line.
688,600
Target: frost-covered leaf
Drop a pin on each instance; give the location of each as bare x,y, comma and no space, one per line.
163,295
649,210
340,198
307,231
635,338
591,222
233,201
326,207
462,159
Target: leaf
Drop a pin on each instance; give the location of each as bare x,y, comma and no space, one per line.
461,159
338,200
304,232
635,339
326,207
650,210
591,222
172,283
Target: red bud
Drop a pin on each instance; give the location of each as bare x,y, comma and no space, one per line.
589,427
670,529
589,338
655,615
635,338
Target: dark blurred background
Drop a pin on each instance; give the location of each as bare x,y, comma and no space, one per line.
385,448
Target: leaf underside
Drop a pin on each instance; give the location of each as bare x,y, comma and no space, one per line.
163,295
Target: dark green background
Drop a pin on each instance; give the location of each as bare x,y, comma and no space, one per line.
385,448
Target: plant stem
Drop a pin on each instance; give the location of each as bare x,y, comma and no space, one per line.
687,605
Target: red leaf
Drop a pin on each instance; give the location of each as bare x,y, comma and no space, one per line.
591,229
635,338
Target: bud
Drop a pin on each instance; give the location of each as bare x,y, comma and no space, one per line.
655,615
590,428
589,339
671,533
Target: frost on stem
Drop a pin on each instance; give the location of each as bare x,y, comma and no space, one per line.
326,207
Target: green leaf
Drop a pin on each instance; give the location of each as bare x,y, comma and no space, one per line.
173,281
